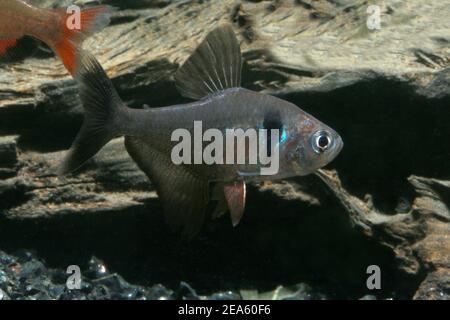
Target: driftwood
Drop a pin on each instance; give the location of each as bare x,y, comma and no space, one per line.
386,91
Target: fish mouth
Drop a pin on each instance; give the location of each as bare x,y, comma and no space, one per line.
340,145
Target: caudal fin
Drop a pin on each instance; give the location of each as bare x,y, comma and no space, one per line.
68,45
102,107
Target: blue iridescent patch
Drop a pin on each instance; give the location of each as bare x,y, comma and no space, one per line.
284,135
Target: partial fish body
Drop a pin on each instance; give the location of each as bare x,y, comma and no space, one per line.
19,18
212,76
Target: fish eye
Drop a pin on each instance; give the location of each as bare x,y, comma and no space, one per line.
321,141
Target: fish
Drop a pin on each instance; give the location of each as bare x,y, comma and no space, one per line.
19,18
211,77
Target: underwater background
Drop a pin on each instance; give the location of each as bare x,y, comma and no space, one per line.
383,201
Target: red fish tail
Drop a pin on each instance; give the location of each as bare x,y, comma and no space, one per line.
74,31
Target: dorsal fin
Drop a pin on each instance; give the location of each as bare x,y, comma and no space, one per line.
214,66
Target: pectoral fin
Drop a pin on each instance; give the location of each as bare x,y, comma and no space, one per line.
184,196
235,195
215,65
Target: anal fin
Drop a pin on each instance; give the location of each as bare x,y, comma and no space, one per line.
184,196
6,45
18,49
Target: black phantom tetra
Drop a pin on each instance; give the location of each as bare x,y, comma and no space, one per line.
212,77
